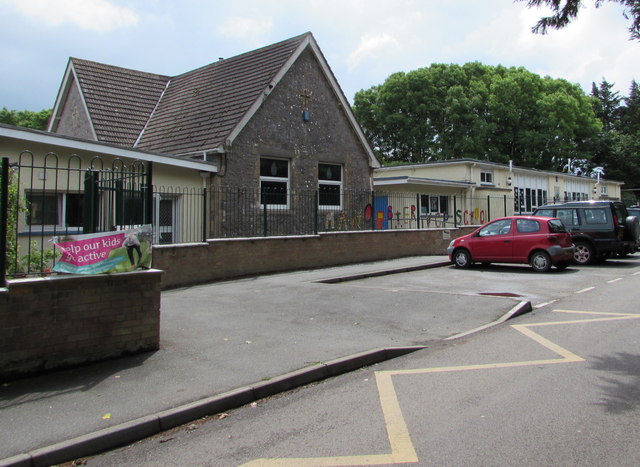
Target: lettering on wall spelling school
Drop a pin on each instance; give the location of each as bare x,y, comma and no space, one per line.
471,217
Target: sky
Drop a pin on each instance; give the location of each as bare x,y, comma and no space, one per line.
364,41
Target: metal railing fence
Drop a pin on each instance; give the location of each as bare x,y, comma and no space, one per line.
51,196
47,198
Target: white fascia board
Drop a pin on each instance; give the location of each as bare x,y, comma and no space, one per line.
60,98
84,102
70,77
419,182
34,136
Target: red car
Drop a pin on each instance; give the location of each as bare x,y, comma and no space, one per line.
538,241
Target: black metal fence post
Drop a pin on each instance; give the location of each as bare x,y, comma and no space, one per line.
148,211
4,202
373,210
264,217
316,207
455,212
204,215
488,208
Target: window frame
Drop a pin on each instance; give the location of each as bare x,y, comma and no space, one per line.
62,211
325,182
275,179
484,180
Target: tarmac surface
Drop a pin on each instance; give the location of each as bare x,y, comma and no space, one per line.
226,344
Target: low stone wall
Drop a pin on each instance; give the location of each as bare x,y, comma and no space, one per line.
221,259
48,323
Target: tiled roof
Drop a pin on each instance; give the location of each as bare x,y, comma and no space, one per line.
202,107
120,101
189,113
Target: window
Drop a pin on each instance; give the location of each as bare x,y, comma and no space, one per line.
527,226
434,204
603,189
569,217
274,182
545,213
330,186
556,226
486,177
595,216
501,227
50,210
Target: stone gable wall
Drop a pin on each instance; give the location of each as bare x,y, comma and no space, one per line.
74,120
277,130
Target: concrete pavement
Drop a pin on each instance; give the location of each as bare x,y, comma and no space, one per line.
227,344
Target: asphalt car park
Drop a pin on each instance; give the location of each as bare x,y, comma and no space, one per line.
517,281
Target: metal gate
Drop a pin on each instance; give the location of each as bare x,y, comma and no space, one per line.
51,195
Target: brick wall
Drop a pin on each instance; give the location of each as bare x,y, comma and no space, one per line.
49,323
228,258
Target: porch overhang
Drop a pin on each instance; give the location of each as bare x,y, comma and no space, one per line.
51,139
419,182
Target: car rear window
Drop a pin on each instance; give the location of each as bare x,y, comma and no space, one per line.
556,226
621,212
595,216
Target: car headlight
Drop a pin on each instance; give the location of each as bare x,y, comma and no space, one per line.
452,242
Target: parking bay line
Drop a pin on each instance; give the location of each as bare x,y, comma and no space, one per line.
402,448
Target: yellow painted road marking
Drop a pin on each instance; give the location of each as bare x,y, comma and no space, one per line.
402,449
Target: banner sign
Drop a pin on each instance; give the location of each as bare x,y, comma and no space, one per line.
108,252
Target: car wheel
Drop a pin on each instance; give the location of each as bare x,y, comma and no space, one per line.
462,258
540,261
562,265
583,254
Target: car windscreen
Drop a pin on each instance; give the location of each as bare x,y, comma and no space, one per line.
556,226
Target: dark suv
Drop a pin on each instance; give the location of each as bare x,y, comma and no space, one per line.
599,228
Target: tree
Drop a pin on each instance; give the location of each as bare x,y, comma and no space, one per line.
25,118
478,111
606,104
630,112
563,14
617,149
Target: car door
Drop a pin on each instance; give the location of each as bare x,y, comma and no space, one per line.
494,242
528,234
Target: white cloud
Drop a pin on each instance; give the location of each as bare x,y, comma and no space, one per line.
372,46
96,15
239,27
